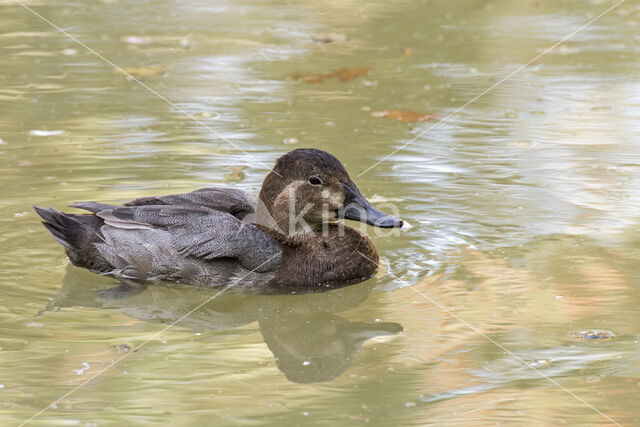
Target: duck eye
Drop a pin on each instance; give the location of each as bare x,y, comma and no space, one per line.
314,180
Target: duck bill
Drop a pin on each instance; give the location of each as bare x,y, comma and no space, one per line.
358,208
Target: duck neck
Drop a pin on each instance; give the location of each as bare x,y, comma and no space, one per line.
277,216
287,234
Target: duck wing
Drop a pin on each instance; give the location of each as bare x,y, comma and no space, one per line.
197,231
235,202
200,226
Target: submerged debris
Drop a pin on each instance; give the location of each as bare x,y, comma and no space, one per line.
122,348
345,75
235,173
594,334
405,116
329,38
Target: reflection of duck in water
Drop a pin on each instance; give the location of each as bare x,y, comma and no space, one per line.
284,237
308,341
319,346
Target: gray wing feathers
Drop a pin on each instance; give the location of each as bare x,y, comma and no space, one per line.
224,237
91,206
201,232
126,224
235,202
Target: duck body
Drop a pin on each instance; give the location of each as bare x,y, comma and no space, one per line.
218,236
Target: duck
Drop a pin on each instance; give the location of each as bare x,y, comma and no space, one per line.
289,236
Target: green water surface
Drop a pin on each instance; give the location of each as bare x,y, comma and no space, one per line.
523,210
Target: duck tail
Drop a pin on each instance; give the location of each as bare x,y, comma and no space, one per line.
64,228
78,234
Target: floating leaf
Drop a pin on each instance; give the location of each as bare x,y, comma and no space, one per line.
348,74
405,116
345,75
310,77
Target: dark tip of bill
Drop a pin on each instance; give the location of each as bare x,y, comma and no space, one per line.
390,222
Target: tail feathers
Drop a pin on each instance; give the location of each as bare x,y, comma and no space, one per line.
64,228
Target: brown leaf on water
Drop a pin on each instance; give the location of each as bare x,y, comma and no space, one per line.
405,116
310,77
345,75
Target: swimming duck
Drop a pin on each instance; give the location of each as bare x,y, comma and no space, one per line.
287,236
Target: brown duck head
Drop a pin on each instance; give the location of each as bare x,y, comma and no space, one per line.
309,187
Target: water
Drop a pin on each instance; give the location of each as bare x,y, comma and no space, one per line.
524,211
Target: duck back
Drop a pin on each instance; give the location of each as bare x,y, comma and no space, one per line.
196,237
